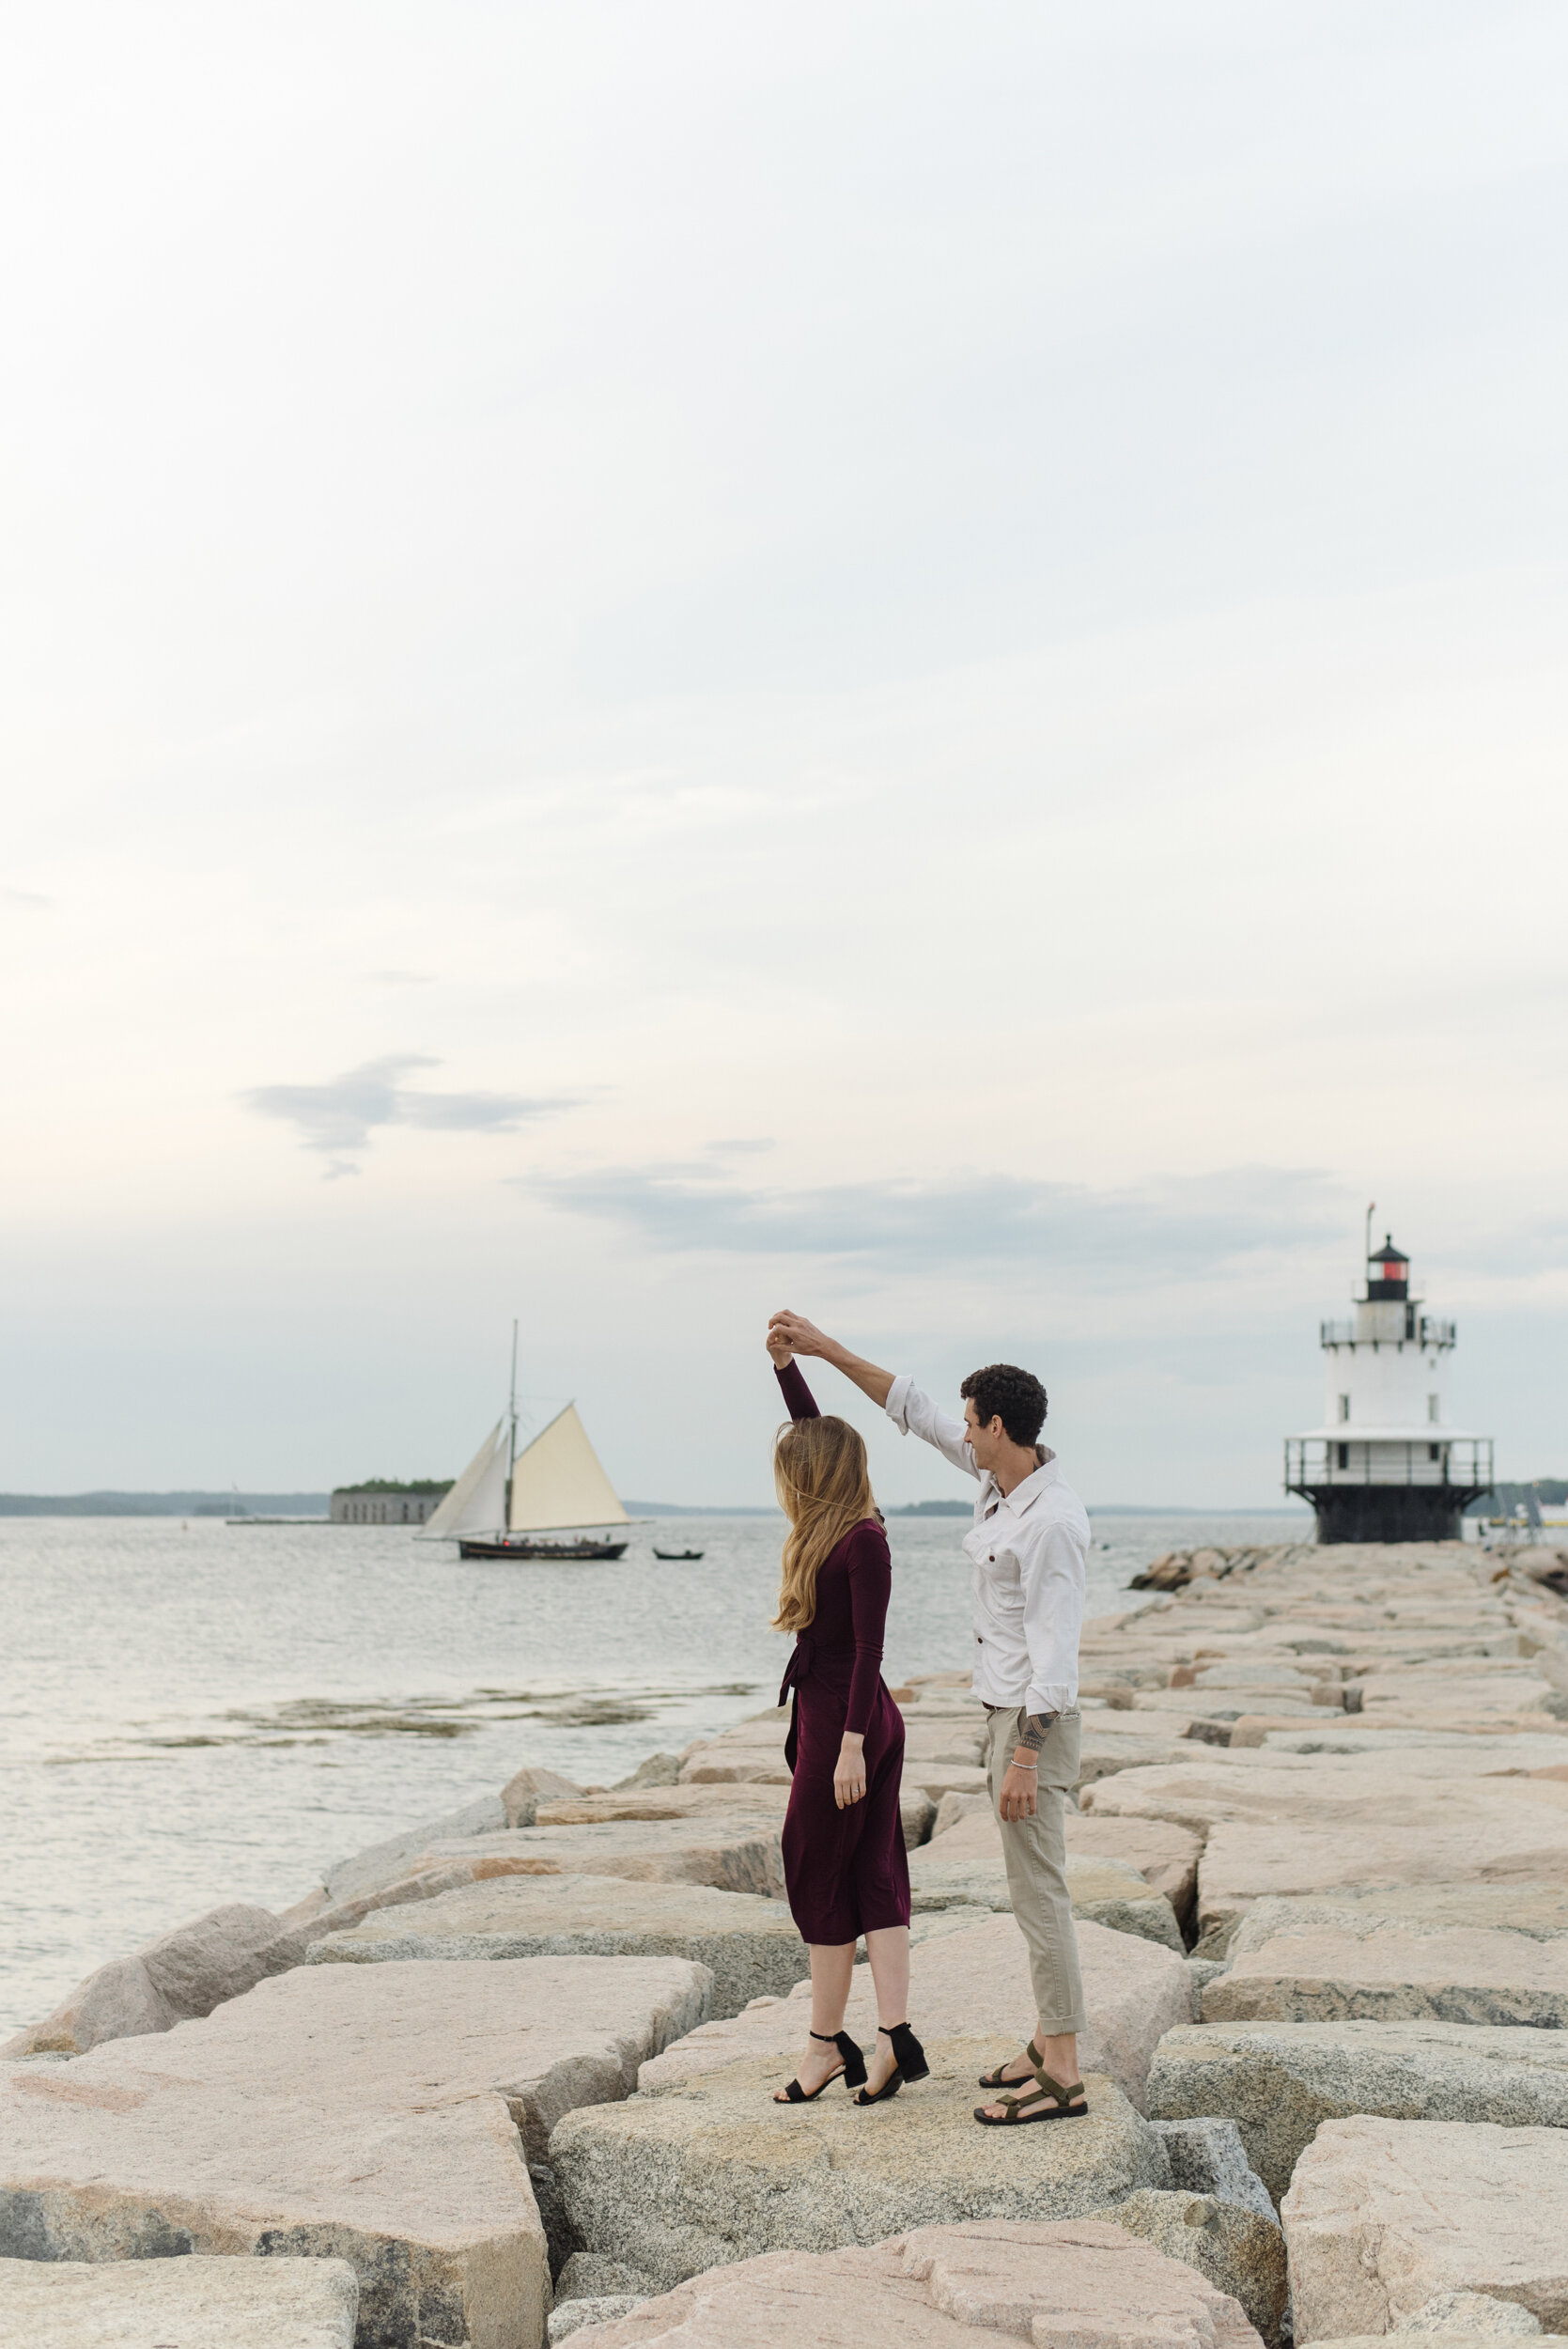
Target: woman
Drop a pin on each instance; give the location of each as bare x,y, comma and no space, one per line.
844,1869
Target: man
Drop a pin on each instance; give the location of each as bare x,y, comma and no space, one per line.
1027,1548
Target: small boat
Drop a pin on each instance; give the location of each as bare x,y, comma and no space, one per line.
508,1503
682,1556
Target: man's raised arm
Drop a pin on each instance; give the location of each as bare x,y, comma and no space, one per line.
911,1412
803,1337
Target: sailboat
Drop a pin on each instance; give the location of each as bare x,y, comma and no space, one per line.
506,1499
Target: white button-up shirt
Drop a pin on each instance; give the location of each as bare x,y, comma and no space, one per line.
1029,1549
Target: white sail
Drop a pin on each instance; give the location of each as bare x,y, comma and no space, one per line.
558,1484
478,1502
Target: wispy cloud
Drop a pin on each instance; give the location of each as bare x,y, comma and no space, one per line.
27,900
1179,1229
341,1114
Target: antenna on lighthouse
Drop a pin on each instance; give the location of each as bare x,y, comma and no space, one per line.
1372,1210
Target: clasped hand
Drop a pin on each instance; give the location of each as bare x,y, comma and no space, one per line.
849,1772
792,1333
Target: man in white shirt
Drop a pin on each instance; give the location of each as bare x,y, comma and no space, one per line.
1028,1549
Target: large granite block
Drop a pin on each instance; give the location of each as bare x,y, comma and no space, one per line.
1166,1856
178,2304
1324,1964
749,1945
1281,2082
664,1803
527,1788
964,1865
1108,1892
1241,2251
1224,1705
1457,1788
713,2171
1418,1839
735,1849
1381,2214
367,2113
1072,2285
1455,2320
178,1978
1114,1742
1539,1910
1475,1687
1208,2156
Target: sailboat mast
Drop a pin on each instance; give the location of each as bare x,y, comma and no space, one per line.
512,1426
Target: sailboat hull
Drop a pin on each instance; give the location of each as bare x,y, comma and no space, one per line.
524,1545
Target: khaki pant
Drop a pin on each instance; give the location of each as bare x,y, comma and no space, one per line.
1035,1851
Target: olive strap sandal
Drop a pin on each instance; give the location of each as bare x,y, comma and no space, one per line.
999,2078
1015,2112
851,2070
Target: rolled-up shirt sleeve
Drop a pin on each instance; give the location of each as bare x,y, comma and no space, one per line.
915,1414
1053,1585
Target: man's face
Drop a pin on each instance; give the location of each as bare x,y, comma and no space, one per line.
985,1442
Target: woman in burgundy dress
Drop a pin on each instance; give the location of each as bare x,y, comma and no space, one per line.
844,1869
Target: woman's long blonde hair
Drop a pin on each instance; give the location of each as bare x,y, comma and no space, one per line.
824,1487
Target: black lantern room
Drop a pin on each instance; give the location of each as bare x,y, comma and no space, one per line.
1387,1275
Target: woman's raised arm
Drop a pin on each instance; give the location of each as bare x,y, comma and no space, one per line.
798,1399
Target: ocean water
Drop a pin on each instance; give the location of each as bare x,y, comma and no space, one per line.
203,1713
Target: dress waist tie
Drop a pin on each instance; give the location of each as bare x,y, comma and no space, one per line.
799,1665
803,1655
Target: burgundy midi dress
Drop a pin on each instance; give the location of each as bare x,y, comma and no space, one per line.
845,1870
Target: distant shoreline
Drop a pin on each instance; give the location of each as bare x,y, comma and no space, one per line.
191,1505
215,1505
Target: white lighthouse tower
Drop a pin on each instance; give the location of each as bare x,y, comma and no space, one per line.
1386,1466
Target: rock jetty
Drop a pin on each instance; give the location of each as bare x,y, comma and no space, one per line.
504,2077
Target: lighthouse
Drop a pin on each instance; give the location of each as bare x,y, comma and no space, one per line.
1386,1466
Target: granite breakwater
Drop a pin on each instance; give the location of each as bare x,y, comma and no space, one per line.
505,2077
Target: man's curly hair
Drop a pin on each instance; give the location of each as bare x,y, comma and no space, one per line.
1002,1390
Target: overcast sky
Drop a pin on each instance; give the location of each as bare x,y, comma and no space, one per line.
902,658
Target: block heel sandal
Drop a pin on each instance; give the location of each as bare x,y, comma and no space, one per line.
909,2064
851,2070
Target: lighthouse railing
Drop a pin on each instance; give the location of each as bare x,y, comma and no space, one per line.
1460,1464
1429,1332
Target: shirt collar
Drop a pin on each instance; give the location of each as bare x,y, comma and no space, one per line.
1019,1500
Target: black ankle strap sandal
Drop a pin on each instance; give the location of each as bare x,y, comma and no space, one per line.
909,2064
851,2070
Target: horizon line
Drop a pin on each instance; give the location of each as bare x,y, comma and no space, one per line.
183,1497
